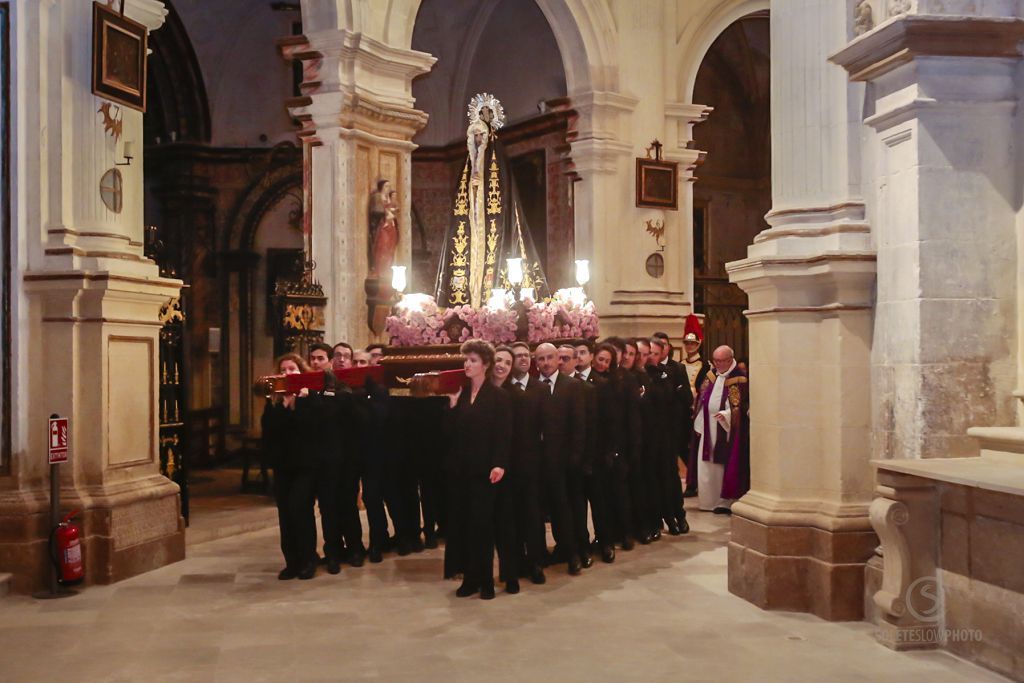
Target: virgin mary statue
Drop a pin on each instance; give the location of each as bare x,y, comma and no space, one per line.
487,225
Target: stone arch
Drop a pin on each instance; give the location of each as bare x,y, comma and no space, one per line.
178,104
693,44
586,37
258,198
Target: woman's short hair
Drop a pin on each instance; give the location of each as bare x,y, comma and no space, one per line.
294,357
504,347
482,349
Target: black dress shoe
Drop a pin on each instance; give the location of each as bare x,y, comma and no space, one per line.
356,558
608,554
656,534
403,547
585,561
690,493
465,590
487,593
430,542
537,576
645,539
575,567
333,565
308,572
375,555
416,545
684,526
627,544
722,511
673,528
512,587
287,574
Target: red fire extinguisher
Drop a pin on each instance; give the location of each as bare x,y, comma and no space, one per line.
66,551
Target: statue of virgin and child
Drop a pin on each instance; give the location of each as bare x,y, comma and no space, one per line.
487,225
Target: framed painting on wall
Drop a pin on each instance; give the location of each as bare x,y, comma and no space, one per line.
656,184
118,58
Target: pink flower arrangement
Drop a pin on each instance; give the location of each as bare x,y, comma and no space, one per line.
420,322
561,318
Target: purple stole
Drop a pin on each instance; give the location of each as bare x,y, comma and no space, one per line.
728,447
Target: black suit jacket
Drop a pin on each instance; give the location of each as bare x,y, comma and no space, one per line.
519,462
557,422
481,432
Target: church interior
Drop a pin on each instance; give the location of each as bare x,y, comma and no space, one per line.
832,187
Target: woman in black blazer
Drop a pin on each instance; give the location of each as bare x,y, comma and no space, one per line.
510,540
286,424
478,455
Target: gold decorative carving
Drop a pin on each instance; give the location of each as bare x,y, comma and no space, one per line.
462,198
493,190
171,312
303,317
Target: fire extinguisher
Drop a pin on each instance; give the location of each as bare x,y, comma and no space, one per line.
66,551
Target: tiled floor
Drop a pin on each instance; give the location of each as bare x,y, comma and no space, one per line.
659,613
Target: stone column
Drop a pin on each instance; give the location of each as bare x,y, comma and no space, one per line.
617,121
358,122
87,304
801,536
941,120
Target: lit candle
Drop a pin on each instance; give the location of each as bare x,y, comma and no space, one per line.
526,293
582,272
128,149
398,281
515,270
497,299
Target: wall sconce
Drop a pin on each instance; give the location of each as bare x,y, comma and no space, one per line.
128,149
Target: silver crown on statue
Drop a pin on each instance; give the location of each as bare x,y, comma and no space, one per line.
481,100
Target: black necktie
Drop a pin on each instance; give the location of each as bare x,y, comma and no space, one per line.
547,380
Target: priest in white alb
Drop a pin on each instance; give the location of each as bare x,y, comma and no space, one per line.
722,434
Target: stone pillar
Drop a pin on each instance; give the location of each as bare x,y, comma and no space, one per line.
801,536
87,303
940,121
616,124
358,122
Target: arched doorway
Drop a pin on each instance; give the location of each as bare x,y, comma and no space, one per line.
733,188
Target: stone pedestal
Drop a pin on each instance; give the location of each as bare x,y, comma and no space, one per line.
87,303
801,536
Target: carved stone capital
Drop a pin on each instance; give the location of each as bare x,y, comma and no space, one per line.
901,40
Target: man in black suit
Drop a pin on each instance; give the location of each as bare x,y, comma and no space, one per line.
581,476
643,488
602,439
328,455
521,359
677,446
557,413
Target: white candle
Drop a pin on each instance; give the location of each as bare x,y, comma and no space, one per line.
398,281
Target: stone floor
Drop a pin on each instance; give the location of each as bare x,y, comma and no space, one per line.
659,613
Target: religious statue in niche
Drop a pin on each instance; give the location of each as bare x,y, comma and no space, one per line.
487,224
383,229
